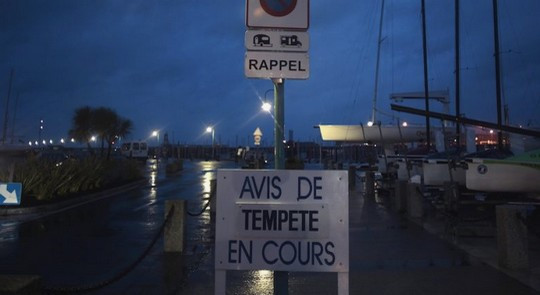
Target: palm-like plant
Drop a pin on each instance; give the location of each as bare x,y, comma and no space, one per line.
119,127
102,121
82,125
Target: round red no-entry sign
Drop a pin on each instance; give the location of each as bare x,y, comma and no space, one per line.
278,7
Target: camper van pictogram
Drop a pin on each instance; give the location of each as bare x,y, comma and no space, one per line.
290,41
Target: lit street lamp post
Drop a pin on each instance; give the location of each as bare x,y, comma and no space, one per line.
40,129
155,134
211,129
266,106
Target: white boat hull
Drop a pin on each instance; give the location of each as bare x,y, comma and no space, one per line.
437,172
503,176
397,164
359,133
414,169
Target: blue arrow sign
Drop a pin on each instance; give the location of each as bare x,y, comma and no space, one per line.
278,7
10,193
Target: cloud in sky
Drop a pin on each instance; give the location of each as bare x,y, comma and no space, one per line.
178,65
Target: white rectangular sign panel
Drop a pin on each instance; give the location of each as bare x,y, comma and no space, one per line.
268,64
265,40
278,14
285,220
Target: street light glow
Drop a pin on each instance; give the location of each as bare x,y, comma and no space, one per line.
266,107
211,130
155,133
404,124
370,123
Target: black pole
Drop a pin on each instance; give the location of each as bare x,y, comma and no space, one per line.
426,88
458,107
465,120
7,107
14,117
497,73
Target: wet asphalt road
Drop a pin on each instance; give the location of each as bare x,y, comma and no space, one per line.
94,242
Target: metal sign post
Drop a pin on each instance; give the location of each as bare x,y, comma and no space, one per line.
281,278
279,114
265,218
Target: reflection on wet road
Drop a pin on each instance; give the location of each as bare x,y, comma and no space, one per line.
94,241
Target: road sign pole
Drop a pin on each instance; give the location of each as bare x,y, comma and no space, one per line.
281,278
279,123
284,15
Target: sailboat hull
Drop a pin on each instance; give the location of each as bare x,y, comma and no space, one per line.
437,172
503,176
359,133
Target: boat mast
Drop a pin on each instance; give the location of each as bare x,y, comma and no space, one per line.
7,108
457,45
497,74
379,41
426,88
14,117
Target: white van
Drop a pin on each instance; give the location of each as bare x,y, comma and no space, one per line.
135,149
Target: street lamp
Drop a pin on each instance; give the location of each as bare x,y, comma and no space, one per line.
211,129
266,106
40,129
155,134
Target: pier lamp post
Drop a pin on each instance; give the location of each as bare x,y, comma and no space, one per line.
155,134
211,129
40,129
266,106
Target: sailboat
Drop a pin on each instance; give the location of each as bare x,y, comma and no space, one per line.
9,148
517,174
390,135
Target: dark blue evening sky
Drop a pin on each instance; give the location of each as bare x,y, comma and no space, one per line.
177,66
